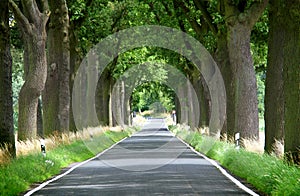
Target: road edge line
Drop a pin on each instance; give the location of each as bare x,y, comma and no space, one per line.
70,170
222,170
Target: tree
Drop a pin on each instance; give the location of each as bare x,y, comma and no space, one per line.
7,135
240,19
76,19
32,22
231,23
291,77
56,96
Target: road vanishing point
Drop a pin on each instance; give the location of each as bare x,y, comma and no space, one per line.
150,162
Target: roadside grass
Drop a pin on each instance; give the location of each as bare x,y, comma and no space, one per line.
19,174
269,174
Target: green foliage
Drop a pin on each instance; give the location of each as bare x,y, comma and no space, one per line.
267,173
148,95
136,67
17,176
76,9
259,50
17,80
260,79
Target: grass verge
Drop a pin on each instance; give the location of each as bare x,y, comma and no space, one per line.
19,174
267,173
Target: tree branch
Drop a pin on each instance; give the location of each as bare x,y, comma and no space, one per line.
32,10
45,6
255,11
46,11
23,21
197,28
199,5
195,25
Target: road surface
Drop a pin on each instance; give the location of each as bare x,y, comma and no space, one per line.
151,162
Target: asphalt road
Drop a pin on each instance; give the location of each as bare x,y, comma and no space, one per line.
151,162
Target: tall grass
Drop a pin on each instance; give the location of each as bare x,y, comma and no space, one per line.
269,174
34,145
31,166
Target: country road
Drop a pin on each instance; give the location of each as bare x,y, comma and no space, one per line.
151,162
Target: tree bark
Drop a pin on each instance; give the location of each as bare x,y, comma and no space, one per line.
204,99
92,75
221,56
291,76
191,117
117,104
274,102
112,120
7,135
246,109
183,104
103,96
56,96
239,25
177,109
33,27
122,103
74,65
40,130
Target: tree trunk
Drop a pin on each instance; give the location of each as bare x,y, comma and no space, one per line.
202,92
33,27
128,119
103,94
32,88
246,106
111,117
222,59
40,130
177,109
92,75
74,64
239,23
117,104
274,103
122,102
193,104
56,96
183,104
291,70
7,135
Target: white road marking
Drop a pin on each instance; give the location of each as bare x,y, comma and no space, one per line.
69,170
222,170
214,163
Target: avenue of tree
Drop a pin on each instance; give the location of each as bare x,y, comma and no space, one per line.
255,43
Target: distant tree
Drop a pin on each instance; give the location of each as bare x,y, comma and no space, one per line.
32,21
7,135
